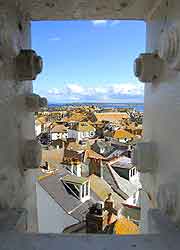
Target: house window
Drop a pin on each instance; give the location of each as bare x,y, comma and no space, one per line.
75,170
134,198
74,189
133,172
91,133
87,189
83,191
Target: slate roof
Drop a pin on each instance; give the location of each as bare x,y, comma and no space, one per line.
102,145
126,186
54,186
124,162
120,185
109,150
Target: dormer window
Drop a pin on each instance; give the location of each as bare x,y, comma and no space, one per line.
132,172
79,186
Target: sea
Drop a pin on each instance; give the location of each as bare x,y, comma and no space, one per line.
137,106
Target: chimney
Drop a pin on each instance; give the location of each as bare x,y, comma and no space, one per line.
96,167
96,218
109,206
109,203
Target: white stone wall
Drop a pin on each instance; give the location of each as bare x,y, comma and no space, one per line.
51,217
16,124
162,122
30,201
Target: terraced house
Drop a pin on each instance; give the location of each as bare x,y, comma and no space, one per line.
81,131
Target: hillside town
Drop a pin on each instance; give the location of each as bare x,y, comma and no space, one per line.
88,182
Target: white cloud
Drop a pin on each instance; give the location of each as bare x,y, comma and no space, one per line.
54,91
75,89
115,22
110,92
102,22
54,39
99,22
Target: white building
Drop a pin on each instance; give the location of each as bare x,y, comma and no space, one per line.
75,167
38,127
59,132
81,131
126,170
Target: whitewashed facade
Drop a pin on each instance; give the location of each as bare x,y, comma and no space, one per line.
80,135
38,129
56,136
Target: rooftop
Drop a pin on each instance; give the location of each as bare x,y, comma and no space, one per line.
92,154
120,185
121,134
75,147
83,127
55,187
59,129
111,116
102,189
123,162
125,226
74,179
103,148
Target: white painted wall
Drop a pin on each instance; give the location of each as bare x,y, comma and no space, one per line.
134,200
78,170
55,136
75,169
83,196
73,134
51,217
78,135
134,177
38,129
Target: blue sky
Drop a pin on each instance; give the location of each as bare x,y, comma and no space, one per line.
88,61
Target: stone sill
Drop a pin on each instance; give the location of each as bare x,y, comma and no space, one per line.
21,241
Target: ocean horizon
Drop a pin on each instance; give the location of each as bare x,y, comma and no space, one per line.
136,106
